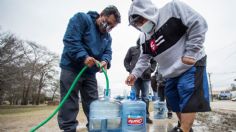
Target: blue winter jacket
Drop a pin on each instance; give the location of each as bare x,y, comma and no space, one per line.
83,38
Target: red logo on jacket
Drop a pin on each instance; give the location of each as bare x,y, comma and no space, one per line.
153,46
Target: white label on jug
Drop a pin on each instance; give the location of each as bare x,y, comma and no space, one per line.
135,120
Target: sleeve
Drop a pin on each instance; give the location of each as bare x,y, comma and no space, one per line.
73,38
107,54
127,61
197,28
142,64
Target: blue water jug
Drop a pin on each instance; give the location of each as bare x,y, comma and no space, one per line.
160,110
133,114
105,116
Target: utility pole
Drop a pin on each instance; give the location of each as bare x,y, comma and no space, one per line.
210,86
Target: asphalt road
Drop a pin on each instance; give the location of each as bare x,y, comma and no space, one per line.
224,105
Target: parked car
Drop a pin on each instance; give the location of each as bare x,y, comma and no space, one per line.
225,95
233,99
233,95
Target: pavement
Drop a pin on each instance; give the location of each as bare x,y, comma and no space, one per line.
227,105
159,125
221,119
165,125
162,125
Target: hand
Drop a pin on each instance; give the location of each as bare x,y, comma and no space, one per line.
103,64
188,60
89,61
130,80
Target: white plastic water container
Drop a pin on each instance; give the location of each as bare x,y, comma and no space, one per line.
105,116
160,110
133,115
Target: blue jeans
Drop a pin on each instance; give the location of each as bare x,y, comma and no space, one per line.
87,86
143,86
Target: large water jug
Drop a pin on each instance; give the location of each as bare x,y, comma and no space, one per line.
105,116
160,110
133,114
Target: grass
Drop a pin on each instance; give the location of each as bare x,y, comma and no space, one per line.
16,109
23,118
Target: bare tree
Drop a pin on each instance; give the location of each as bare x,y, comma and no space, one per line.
32,58
11,55
26,70
47,72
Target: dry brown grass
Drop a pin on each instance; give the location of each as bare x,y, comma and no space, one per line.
22,119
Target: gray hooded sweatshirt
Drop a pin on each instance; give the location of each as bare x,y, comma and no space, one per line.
181,32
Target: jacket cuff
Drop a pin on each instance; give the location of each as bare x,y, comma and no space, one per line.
82,59
108,63
135,75
190,54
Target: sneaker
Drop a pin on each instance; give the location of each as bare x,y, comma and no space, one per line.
148,120
176,128
191,130
169,115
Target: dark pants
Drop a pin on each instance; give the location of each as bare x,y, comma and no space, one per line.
161,95
143,86
87,85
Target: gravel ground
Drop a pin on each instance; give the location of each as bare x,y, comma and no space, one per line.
218,121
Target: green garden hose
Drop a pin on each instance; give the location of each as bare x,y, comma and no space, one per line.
67,95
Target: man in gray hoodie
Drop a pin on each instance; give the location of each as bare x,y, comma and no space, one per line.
174,36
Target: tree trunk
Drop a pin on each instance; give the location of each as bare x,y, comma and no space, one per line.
33,99
1,96
23,97
53,95
26,98
23,91
54,92
40,88
11,100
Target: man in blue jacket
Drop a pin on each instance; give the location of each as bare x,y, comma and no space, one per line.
86,41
